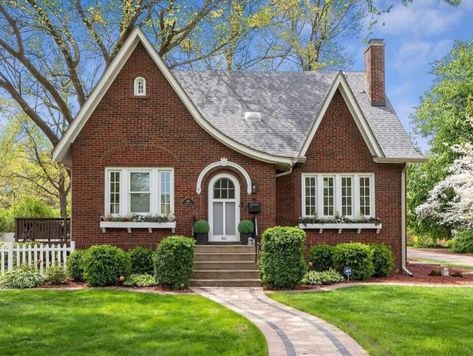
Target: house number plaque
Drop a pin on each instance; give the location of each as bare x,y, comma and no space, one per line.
188,202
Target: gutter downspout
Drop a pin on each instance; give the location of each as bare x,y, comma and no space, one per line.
403,222
285,173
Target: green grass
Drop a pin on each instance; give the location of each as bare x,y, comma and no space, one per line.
109,322
443,263
394,320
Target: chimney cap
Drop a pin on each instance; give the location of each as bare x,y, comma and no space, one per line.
376,42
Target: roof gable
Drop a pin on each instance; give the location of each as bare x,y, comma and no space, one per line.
62,150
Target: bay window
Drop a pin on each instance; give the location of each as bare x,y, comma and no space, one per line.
139,191
348,195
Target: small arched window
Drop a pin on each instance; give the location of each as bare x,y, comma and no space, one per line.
140,86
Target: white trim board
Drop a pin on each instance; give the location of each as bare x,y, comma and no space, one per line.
61,152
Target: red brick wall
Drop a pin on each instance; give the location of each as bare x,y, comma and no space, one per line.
338,147
154,131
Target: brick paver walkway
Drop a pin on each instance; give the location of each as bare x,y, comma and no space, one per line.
287,330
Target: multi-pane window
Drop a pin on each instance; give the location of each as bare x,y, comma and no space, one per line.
310,196
140,86
140,191
224,189
365,196
328,196
347,196
114,192
165,192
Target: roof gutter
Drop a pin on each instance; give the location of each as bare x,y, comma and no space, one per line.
400,160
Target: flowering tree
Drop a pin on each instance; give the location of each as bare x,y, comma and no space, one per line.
450,202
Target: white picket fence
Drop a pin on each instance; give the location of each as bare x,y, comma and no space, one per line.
40,256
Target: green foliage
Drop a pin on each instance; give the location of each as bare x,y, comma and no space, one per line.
104,265
7,222
281,261
140,280
141,260
31,207
321,257
201,227
462,241
246,227
322,277
173,261
442,118
356,255
22,277
75,265
55,275
383,260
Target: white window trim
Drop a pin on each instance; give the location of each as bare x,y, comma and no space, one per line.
338,196
135,86
124,209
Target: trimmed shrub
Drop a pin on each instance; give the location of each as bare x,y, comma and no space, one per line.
281,261
75,267
104,264
173,261
321,257
55,275
356,255
383,260
140,280
141,260
246,227
325,277
201,227
23,277
462,241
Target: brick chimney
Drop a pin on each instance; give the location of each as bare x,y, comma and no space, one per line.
374,68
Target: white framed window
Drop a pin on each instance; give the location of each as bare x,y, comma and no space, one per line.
349,195
139,86
139,191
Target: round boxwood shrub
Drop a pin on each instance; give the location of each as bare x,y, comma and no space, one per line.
356,255
173,261
141,260
281,261
201,227
383,260
104,264
246,227
75,268
321,257
462,241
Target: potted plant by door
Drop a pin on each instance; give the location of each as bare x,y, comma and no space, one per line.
246,228
201,232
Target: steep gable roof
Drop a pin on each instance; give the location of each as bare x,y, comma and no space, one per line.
291,103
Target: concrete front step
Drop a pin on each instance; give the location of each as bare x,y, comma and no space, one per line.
222,265
225,283
219,256
225,274
224,249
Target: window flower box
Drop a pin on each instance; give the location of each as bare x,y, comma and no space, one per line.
340,224
138,222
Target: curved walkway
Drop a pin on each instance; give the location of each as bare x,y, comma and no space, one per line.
287,330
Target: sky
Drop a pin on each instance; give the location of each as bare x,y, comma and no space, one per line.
416,36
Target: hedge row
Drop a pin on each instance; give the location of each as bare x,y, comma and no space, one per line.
365,260
103,265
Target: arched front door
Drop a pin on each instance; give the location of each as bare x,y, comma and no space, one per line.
224,208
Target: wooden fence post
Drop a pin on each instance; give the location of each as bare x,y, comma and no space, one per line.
10,255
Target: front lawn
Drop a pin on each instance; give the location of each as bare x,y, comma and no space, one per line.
394,320
109,322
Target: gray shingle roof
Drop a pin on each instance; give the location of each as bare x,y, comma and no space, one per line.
289,103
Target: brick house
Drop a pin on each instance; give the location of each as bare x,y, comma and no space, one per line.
308,148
